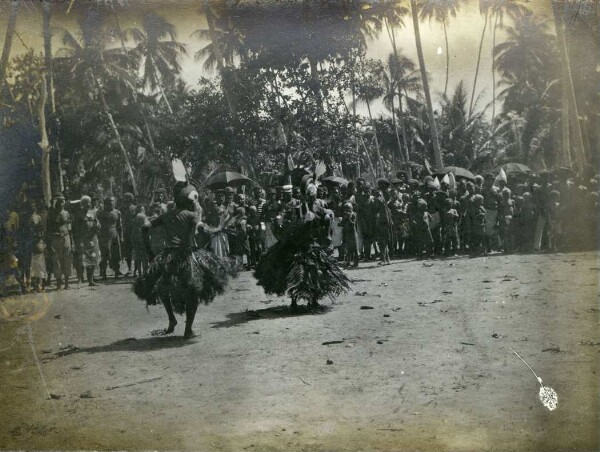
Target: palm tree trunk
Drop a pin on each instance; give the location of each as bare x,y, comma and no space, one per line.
437,154
373,172
494,70
447,57
404,138
580,156
401,154
355,127
44,143
117,135
314,77
48,53
478,62
405,157
120,31
375,136
165,98
10,32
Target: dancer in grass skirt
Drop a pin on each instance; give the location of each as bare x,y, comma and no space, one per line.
302,264
182,275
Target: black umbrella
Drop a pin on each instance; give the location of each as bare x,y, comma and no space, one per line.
457,171
226,179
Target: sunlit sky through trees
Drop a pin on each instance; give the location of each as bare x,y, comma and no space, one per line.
464,33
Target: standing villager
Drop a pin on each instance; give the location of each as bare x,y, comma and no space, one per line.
59,233
506,213
37,266
238,241
128,213
217,214
160,199
301,264
111,235
182,276
157,234
349,235
140,254
478,226
450,219
86,239
384,226
491,203
422,229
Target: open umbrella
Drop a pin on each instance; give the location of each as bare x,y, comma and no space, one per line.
335,180
226,179
457,171
514,168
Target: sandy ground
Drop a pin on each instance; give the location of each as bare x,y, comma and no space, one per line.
428,367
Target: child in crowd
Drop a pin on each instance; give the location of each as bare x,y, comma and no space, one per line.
349,235
450,219
253,231
477,226
140,255
37,269
240,246
506,212
384,225
526,226
422,222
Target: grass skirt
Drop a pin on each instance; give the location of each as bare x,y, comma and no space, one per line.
184,275
301,269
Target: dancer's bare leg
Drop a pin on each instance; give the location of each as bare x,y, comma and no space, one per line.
172,320
190,313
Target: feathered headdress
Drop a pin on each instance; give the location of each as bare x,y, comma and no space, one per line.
184,191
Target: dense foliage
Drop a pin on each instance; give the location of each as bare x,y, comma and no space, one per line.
120,110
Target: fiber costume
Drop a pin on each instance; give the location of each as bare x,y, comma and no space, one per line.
301,264
182,276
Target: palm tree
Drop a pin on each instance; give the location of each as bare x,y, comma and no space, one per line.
48,52
230,42
441,11
369,74
526,61
484,7
468,137
97,70
437,153
498,9
159,58
10,31
221,59
569,103
401,77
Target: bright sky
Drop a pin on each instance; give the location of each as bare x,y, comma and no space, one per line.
464,34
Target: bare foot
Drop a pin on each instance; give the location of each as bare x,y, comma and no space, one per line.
189,334
171,326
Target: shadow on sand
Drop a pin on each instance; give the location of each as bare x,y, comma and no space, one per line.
274,312
131,345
